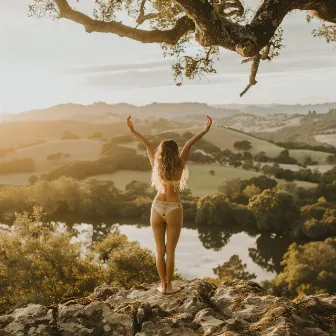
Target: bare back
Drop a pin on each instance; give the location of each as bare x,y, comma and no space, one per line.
172,190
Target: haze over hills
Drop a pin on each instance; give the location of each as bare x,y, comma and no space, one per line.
95,111
264,109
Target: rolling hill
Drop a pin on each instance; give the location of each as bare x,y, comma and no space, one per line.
225,139
86,150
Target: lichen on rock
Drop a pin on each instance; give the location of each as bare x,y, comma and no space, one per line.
200,308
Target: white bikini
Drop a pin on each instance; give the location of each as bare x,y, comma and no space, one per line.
163,207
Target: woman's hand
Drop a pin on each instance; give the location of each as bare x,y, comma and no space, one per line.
130,124
208,124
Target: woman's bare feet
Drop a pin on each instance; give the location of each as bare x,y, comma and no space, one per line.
162,288
172,290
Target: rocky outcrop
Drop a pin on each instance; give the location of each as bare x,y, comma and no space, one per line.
232,309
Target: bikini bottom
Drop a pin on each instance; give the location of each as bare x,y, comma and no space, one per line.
164,208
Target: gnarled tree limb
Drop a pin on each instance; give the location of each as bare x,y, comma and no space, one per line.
212,27
171,36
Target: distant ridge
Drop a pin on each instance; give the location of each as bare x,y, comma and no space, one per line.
264,109
95,111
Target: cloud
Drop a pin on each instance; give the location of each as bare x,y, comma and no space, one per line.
121,67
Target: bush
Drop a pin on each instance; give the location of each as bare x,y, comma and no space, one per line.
67,135
57,156
46,265
96,135
39,263
284,157
127,263
308,269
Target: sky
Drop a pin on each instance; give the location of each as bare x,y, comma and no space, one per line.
44,62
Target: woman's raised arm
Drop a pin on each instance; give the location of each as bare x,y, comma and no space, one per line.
186,149
142,139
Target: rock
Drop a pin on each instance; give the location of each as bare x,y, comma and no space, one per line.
237,308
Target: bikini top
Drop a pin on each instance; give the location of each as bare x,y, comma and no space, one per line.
174,183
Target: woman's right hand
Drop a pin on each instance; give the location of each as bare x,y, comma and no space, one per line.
130,124
208,124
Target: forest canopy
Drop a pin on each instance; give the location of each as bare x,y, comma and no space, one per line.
255,34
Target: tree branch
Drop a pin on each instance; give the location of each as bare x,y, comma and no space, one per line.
142,16
172,36
212,28
254,71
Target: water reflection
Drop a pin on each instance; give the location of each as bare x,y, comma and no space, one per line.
269,251
264,251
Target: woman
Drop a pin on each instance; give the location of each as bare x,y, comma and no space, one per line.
169,175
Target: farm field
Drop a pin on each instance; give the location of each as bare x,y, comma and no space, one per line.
326,138
78,149
300,154
200,182
17,179
225,138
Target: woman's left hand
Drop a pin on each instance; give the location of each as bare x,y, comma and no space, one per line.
208,124
130,124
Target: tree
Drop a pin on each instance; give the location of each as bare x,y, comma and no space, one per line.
67,135
308,269
212,24
261,157
285,158
56,156
96,135
331,159
230,186
214,209
248,156
242,145
33,179
137,188
275,211
231,270
262,182
251,191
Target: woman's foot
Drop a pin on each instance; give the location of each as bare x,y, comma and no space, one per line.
172,290
162,289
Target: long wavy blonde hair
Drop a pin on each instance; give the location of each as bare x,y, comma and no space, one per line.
167,163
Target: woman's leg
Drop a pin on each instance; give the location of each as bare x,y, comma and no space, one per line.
159,232
174,222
